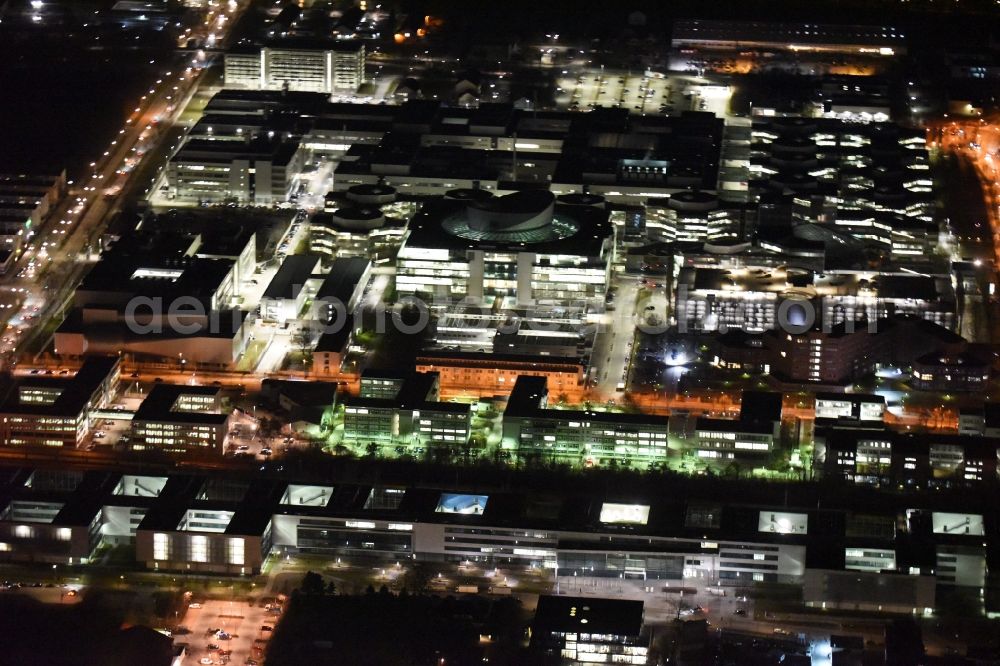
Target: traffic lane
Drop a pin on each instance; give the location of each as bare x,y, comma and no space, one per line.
89,210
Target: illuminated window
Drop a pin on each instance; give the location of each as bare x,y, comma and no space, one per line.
237,551
199,548
360,524
23,532
64,534
160,546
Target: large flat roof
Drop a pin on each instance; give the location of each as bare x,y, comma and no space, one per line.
343,278
619,617
162,398
291,277
75,390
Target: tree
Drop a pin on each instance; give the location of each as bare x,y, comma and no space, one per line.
269,427
331,588
778,461
418,577
303,340
312,583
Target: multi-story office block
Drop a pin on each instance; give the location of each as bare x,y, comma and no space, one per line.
181,419
950,373
163,294
285,296
329,67
51,516
404,410
894,553
523,247
869,181
533,430
590,631
881,457
211,525
692,216
495,374
259,170
756,299
57,411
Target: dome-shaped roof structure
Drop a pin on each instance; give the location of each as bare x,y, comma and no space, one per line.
519,211
521,217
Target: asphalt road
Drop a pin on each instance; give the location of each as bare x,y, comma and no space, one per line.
64,245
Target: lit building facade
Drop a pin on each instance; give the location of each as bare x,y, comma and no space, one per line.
522,247
324,68
532,430
210,524
404,410
47,411
181,419
481,374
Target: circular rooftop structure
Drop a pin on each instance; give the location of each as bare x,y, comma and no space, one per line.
790,125
581,199
800,145
726,246
358,217
522,217
371,195
693,201
793,162
468,194
795,183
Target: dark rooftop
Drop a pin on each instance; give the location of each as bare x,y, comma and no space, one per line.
587,615
75,390
159,405
295,270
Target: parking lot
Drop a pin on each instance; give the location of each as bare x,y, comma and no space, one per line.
590,88
245,439
241,625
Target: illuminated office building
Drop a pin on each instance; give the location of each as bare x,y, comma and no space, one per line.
57,411
327,67
524,247
181,419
